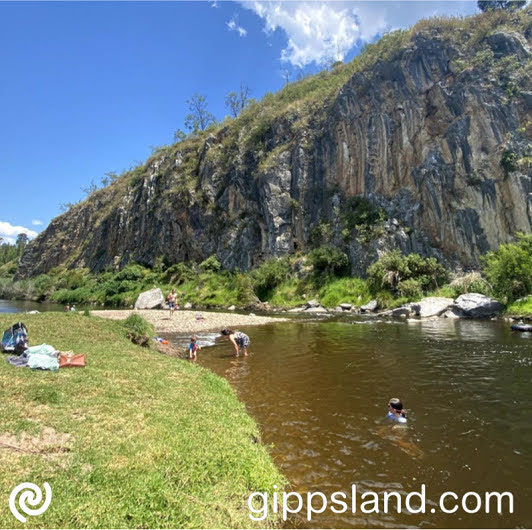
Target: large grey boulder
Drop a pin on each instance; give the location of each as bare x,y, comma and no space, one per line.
345,306
152,299
369,307
312,303
475,305
432,306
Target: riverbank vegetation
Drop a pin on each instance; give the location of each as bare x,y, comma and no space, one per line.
292,280
134,439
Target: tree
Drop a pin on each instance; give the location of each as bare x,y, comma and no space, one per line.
179,135
199,117
491,5
509,268
236,102
21,242
92,187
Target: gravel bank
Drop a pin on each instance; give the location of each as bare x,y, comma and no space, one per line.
185,321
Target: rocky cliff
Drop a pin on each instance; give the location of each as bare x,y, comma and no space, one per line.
423,143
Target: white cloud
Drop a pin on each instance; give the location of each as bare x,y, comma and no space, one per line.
36,222
214,3
233,26
322,31
9,233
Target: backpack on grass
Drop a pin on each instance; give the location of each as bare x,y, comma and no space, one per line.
15,339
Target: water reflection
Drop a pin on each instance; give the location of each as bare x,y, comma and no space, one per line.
320,390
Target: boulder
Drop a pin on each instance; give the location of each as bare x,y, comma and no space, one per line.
345,306
231,308
475,305
432,306
152,299
403,311
313,303
507,43
188,305
316,309
369,307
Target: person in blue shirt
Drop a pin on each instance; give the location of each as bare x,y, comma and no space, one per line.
396,412
193,348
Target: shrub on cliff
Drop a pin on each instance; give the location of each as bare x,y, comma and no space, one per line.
509,268
328,261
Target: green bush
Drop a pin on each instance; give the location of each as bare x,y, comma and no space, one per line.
131,272
211,264
393,268
509,269
328,261
410,289
472,282
269,275
82,295
178,274
360,211
508,162
138,330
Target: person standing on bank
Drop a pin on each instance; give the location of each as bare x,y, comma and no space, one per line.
238,339
172,300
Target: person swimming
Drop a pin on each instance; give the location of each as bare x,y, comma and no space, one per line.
396,412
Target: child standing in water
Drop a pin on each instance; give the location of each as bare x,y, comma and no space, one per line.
193,348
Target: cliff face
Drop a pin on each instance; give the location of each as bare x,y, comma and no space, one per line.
435,138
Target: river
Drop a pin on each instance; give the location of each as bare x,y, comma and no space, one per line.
319,391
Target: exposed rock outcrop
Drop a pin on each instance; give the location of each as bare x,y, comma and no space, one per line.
428,135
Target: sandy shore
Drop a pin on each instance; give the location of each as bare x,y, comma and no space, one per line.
185,321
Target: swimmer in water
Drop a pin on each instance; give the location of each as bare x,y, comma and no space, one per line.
397,432
396,412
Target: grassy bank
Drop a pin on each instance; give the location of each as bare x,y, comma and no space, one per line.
134,439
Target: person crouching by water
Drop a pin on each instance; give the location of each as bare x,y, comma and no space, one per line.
239,340
396,412
193,348
172,300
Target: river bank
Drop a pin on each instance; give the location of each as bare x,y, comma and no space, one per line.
134,439
186,322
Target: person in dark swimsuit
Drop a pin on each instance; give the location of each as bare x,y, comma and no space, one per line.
238,339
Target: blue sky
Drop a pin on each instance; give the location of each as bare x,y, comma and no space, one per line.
89,87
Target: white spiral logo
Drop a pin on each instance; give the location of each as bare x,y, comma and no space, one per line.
32,496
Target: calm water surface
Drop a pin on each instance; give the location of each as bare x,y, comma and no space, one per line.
21,306
319,390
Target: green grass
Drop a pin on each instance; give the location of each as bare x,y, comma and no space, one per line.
135,439
339,290
520,309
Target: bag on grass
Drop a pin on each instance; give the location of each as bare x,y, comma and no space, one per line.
68,359
15,339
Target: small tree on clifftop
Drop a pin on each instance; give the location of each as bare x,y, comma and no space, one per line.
236,102
199,118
